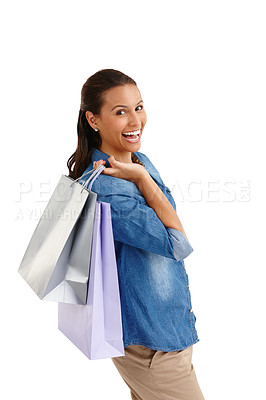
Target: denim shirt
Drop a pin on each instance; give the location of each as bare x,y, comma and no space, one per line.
154,287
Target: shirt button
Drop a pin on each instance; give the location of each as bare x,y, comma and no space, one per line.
190,310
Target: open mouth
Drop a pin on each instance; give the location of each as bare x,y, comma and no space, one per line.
132,137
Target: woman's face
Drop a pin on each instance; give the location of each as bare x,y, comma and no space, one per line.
122,111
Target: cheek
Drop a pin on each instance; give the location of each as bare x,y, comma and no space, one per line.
144,119
119,124
114,125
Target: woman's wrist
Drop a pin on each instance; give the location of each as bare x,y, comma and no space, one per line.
141,177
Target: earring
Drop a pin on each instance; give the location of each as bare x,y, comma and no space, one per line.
96,129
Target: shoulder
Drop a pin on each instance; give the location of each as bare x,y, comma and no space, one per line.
155,174
149,166
142,157
145,159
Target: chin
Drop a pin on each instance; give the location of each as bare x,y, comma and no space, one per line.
136,147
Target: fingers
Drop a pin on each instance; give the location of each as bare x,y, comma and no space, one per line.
107,171
96,164
112,161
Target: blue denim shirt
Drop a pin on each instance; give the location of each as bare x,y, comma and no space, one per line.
154,288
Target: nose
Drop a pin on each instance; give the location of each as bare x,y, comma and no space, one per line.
134,120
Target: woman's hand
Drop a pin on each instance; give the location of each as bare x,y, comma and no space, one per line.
130,171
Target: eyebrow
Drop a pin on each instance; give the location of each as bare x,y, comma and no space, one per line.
120,105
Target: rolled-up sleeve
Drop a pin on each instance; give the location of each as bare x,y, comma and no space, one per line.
182,247
136,224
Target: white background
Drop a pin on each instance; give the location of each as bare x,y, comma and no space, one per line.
200,67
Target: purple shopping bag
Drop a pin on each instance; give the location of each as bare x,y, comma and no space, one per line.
96,328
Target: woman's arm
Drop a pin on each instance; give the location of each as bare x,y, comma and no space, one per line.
134,221
153,195
157,200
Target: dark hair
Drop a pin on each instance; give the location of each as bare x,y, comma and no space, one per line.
92,99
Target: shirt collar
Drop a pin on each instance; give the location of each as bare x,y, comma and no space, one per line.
100,155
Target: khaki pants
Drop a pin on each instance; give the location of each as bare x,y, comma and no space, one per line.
158,375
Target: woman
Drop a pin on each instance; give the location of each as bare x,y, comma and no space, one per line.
150,241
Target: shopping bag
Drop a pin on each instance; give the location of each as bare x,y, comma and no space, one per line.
57,259
96,328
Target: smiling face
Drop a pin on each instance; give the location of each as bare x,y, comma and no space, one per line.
122,112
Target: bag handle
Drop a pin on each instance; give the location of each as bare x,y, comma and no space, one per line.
93,176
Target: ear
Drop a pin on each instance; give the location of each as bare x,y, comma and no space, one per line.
90,118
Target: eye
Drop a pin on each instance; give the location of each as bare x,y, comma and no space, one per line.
119,112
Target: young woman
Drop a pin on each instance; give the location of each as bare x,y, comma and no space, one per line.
150,241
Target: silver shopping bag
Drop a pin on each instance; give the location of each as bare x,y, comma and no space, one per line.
57,260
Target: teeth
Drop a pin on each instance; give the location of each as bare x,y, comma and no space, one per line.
133,140
132,133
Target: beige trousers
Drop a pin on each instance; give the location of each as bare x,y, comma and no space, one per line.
158,375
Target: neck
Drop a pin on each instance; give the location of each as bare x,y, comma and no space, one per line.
122,156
